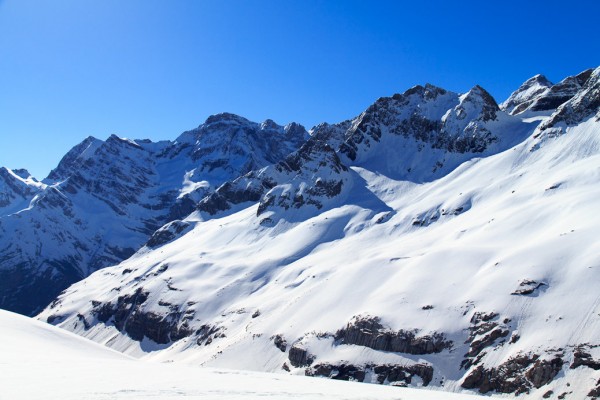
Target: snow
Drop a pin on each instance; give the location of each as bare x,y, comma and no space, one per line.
421,237
528,213
42,361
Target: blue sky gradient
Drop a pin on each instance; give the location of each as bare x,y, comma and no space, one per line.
153,69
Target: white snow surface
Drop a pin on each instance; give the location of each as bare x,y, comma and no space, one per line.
40,361
459,245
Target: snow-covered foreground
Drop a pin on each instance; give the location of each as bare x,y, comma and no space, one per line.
39,361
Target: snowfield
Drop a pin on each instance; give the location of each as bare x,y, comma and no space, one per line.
39,361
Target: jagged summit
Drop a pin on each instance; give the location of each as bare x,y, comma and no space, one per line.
23,173
427,130
225,118
74,159
481,98
583,105
17,189
538,94
255,144
538,79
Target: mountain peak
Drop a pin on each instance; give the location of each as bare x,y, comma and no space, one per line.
23,173
269,124
74,158
538,94
582,105
427,92
538,79
226,118
478,93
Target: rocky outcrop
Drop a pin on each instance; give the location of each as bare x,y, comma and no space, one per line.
369,332
343,372
279,342
517,375
429,114
168,233
317,175
17,189
538,94
74,159
207,333
529,287
484,331
392,374
595,392
584,104
247,188
522,98
310,176
299,356
582,357
128,315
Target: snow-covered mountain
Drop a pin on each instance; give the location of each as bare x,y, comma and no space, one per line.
540,95
106,198
437,239
40,361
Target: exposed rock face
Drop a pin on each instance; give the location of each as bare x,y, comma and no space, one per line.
429,114
449,128
400,375
17,189
484,331
526,94
247,188
528,287
517,375
539,94
595,392
343,372
168,233
582,357
318,175
369,332
584,104
128,315
310,176
300,357
255,145
280,342
74,159
207,333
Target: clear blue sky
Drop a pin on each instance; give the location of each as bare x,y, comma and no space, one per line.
152,69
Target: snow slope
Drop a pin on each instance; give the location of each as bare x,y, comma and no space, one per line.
41,361
484,277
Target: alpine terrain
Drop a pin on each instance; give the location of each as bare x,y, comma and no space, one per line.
437,240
